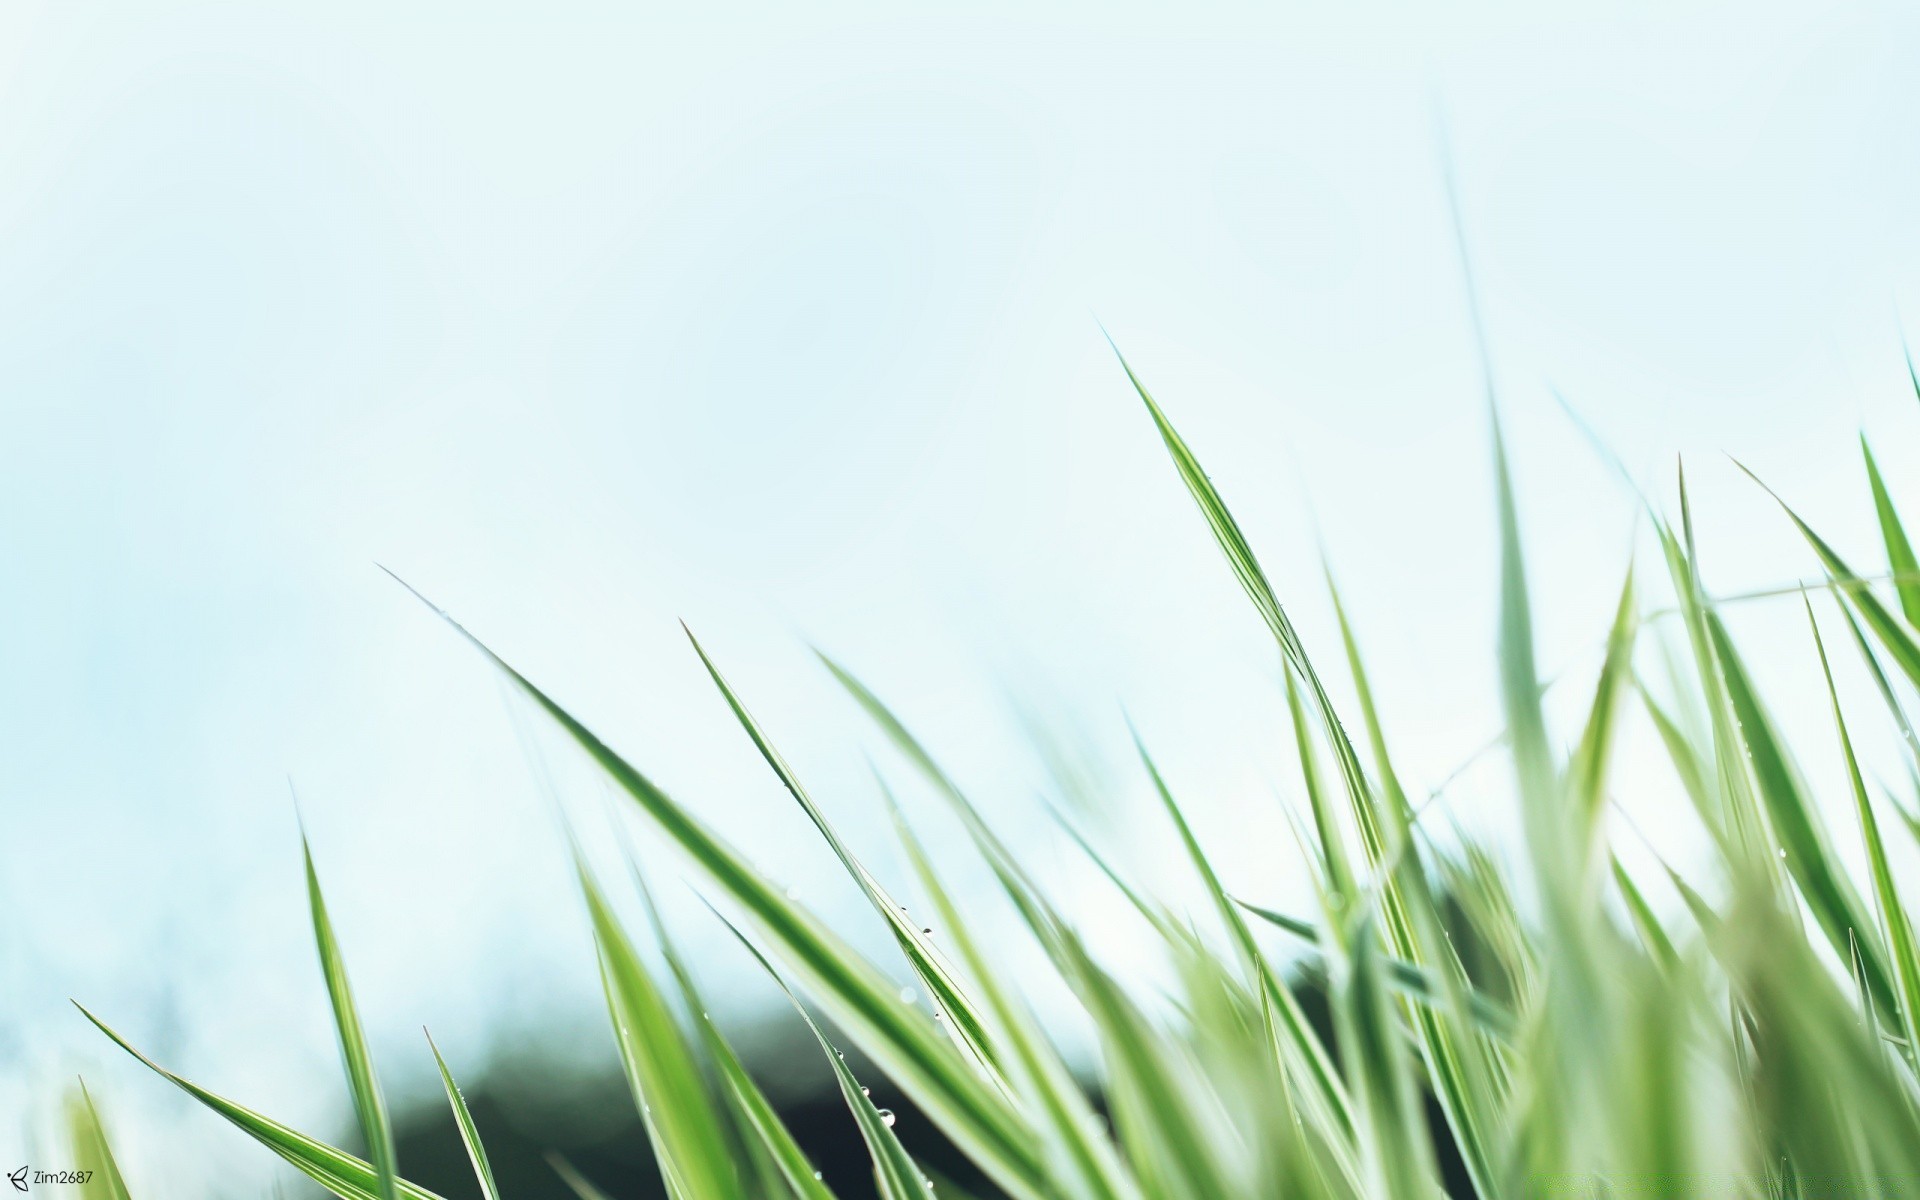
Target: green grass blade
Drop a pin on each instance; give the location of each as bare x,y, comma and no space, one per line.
895,1174
95,1153
1902,948
1900,558
1082,1162
1822,881
668,1085
942,985
1398,1153
1652,934
752,1112
1520,681
928,1067
1899,644
469,1132
368,1102
1587,777
341,1173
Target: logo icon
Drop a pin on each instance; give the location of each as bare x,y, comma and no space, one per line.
19,1180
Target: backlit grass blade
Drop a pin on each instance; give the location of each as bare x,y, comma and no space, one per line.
1900,557
1808,855
1653,935
341,1173
469,1132
368,1102
1587,777
752,1112
1520,682
1899,644
1082,1162
926,960
929,1068
668,1086
1382,826
95,1153
1299,1047
1902,948
895,1174
1398,1154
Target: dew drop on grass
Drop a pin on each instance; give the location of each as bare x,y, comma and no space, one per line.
816,1175
887,1118
866,1091
907,995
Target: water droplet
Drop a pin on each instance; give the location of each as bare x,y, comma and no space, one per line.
866,1091
907,995
928,932
816,1174
887,1118
793,893
1783,852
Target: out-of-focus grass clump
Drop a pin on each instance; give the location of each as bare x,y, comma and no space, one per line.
1512,1020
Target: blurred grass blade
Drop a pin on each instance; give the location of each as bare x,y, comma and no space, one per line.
577,1183
93,1149
368,1103
1900,558
469,1132
1488,1013
341,1173
921,954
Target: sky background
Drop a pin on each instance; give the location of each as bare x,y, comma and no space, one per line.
586,319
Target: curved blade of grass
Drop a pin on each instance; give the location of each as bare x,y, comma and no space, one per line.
747,1103
1653,935
469,1132
895,1174
1382,826
1822,881
90,1142
1894,922
1298,1046
1900,558
687,1135
926,960
930,1069
368,1103
1587,776
1886,627
1083,1162
341,1173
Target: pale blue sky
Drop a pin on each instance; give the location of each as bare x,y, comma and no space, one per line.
585,319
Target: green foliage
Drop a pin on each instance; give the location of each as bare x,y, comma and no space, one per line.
1743,1026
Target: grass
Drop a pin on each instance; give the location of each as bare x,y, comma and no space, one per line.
1507,1021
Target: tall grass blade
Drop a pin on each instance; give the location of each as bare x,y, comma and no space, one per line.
469,1132
341,1173
368,1102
